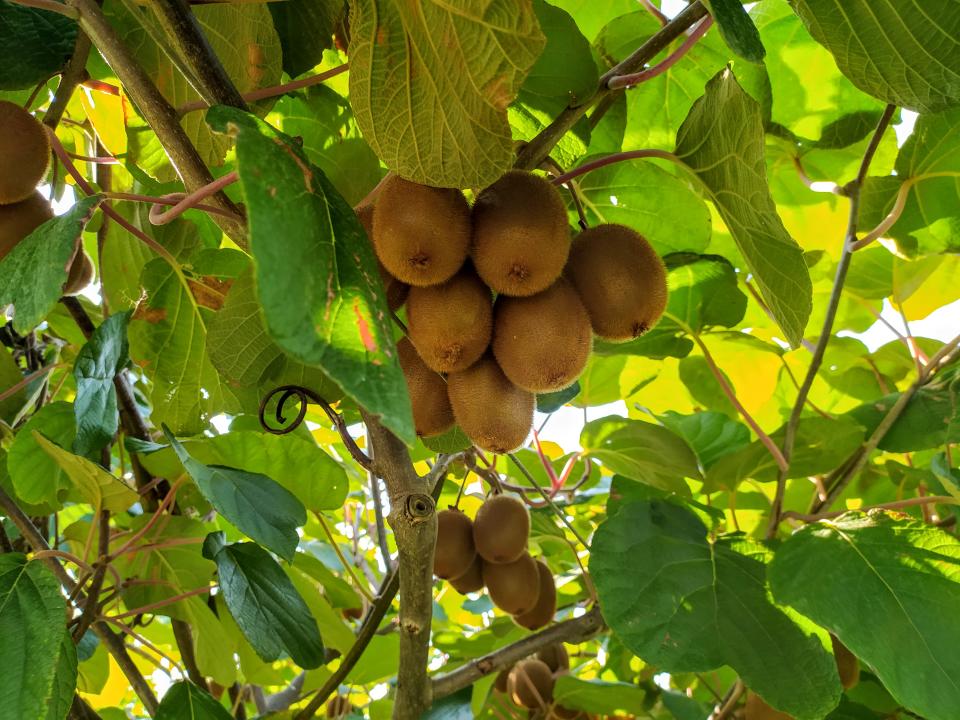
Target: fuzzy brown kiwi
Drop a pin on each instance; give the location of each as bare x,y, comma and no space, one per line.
396,291
80,274
20,219
450,324
354,613
530,684
24,153
621,281
542,613
556,657
500,684
421,234
471,580
512,586
493,412
559,712
542,342
757,709
521,238
339,706
432,414
501,528
848,666
455,551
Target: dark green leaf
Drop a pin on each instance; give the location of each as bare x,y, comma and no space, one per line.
259,506
264,602
599,697
306,29
898,578
550,402
710,434
37,477
703,293
737,29
452,707
701,604
95,405
64,680
10,375
659,343
34,44
185,701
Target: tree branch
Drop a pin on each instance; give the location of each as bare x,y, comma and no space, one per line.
895,505
72,75
572,631
96,582
184,639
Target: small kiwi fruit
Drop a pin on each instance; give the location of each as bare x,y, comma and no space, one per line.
501,528
621,281
493,412
757,709
80,274
559,712
20,219
530,684
542,613
420,233
396,291
354,613
848,666
500,683
471,580
542,342
556,657
24,153
432,414
339,706
512,586
455,551
521,238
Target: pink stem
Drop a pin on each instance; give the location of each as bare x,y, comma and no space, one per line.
622,81
187,201
167,501
97,160
545,461
101,86
167,200
610,160
655,11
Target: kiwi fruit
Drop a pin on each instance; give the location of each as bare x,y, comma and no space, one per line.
396,291
24,153
521,238
500,683
20,219
354,613
621,281
757,709
542,342
556,657
559,712
432,414
530,684
542,613
848,666
80,274
501,528
455,552
512,586
420,233
339,706
493,412
471,580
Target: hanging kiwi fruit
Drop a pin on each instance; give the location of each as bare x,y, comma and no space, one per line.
24,153
556,657
756,708
471,580
511,586
530,684
455,551
501,528
396,291
542,613
18,220
339,707
432,414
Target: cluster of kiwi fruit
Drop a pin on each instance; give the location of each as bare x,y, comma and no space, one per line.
24,157
491,551
501,305
529,683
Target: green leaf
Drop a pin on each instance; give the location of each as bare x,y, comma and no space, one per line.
710,434
33,273
599,697
722,140
337,319
551,402
264,603
737,29
306,29
97,363
697,376
452,707
185,701
701,604
641,451
89,482
437,115
898,578
34,44
36,477
258,505
64,680
10,375
32,613
897,51
703,293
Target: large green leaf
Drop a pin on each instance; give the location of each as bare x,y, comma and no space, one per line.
901,51
700,604
185,701
435,112
37,477
597,696
33,273
10,375
703,293
722,140
89,482
258,505
899,581
264,602
97,363
64,680
306,29
32,614
737,29
305,236
710,434
641,451
34,44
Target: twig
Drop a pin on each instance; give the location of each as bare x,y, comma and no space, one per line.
96,581
186,201
895,505
17,387
557,511
634,79
72,75
51,6
161,603
343,561
655,11
616,158
730,700
378,518
817,186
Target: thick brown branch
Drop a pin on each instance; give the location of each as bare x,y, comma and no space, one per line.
72,76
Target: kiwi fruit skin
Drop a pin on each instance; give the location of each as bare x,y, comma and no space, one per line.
556,657
450,324
501,528
526,673
494,413
848,666
395,290
621,281
542,342
339,706
421,234
24,148
757,709
500,683
521,237
432,414
455,552
542,613
558,712
471,580
20,219
80,274
512,587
